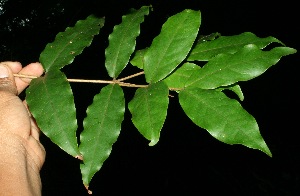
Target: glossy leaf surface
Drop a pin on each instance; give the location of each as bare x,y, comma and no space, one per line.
149,110
70,43
178,79
204,51
246,64
51,102
101,129
122,41
172,45
222,117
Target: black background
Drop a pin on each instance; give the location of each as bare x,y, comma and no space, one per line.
187,160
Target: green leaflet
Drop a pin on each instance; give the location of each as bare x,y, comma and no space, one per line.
222,117
234,88
51,102
172,45
237,90
149,110
246,64
138,59
122,41
178,79
204,51
101,129
70,43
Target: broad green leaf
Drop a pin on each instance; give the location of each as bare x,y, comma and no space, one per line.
70,43
178,79
246,64
172,45
122,41
138,59
222,117
51,102
101,129
204,51
149,110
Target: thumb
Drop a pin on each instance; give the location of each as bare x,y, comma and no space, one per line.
7,81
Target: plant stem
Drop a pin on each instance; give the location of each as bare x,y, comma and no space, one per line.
91,81
131,76
119,81
96,81
24,76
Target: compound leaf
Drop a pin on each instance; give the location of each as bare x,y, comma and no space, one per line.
51,103
246,64
172,45
122,41
101,129
204,51
222,117
149,110
70,43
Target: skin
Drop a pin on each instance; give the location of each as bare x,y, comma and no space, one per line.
21,153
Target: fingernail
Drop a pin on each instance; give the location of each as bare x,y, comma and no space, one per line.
3,72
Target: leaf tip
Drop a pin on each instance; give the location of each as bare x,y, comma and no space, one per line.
264,148
268,152
153,142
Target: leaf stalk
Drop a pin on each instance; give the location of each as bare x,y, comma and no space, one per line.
97,81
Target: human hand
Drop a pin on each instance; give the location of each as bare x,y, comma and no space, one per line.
21,154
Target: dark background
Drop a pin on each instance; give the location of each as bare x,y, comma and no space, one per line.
187,160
